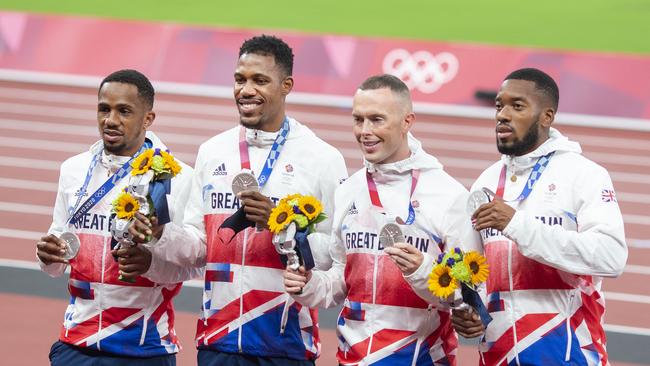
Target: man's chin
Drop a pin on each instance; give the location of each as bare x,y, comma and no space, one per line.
249,122
113,148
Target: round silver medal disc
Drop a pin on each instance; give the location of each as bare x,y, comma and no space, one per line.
244,182
72,245
475,200
390,234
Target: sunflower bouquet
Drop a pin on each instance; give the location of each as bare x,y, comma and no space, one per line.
305,211
291,221
149,184
458,271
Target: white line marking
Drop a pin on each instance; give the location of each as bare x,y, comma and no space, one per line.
311,99
28,184
621,296
26,208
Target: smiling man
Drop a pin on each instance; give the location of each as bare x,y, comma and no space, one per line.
108,321
550,235
389,316
247,318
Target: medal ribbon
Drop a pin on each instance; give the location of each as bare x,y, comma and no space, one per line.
374,196
534,176
271,159
102,191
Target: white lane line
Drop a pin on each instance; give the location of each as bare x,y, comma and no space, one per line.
625,329
28,184
20,234
625,297
637,269
41,164
26,208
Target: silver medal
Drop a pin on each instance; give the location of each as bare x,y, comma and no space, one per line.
475,200
390,234
244,181
72,244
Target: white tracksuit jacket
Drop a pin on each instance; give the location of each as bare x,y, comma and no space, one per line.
245,307
546,267
128,319
388,319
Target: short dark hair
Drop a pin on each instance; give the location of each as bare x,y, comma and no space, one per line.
543,82
136,78
270,46
385,81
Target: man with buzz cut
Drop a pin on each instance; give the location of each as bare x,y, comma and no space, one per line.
247,318
551,233
389,316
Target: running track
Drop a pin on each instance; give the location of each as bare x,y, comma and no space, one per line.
40,126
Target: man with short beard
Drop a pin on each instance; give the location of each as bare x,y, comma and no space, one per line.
110,321
552,231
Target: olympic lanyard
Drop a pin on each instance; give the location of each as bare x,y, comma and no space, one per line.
534,176
271,159
76,215
374,196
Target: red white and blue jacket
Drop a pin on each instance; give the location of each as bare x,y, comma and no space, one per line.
106,314
389,319
245,308
546,267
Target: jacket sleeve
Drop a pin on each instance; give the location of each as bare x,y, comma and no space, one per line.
331,177
327,288
180,252
58,226
598,246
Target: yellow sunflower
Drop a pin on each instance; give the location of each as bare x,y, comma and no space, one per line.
125,206
280,217
441,283
310,206
171,163
287,199
142,162
478,267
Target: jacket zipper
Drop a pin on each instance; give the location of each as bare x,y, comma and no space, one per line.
241,291
99,303
370,320
512,301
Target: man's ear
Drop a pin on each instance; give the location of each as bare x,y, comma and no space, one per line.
408,122
287,85
548,117
148,119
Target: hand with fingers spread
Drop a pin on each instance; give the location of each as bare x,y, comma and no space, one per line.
296,280
50,249
143,228
495,214
467,322
257,207
133,261
407,257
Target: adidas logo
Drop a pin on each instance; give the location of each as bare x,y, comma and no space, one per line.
353,210
221,170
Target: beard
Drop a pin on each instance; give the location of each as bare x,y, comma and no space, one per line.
524,145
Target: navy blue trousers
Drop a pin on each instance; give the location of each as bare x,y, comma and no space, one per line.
214,358
63,354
